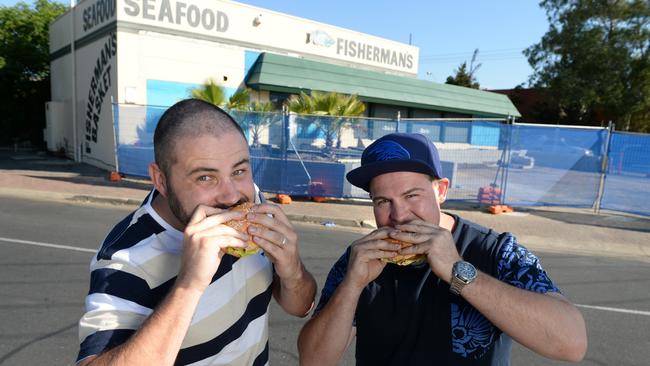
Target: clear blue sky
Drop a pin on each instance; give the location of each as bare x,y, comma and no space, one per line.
446,31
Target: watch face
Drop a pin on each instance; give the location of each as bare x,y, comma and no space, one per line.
465,271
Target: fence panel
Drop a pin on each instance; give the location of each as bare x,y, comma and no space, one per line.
554,166
323,149
470,151
627,183
523,164
134,127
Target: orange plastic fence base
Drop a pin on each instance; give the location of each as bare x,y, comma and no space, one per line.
284,199
489,195
115,177
499,209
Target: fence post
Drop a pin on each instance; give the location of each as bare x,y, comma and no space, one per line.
284,147
506,159
116,131
604,165
399,117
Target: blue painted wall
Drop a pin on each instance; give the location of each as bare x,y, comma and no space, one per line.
249,60
485,134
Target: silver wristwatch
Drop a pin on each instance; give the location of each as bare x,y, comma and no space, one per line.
462,274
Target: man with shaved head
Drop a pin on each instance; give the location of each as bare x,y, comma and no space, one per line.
163,290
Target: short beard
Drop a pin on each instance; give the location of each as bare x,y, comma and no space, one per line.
177,208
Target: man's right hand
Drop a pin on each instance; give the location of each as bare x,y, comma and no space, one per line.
365,262
204,239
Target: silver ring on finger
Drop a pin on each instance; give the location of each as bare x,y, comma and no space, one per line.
284,241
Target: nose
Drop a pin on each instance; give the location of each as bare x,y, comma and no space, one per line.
228,194
399,213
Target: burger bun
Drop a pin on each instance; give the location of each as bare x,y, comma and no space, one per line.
242,226
404,260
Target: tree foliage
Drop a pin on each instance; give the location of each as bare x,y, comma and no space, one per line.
465,77
25,68
214,93
210,92
328,104
254,116
595,61
260,116
239,100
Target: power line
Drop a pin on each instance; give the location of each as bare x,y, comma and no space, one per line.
472,51
489,55
480,60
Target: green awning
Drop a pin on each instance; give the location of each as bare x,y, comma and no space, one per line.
291,75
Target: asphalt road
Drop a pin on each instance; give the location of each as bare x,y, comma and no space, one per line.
42,288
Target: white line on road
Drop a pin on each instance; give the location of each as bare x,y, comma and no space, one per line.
615,310
48,245
67,247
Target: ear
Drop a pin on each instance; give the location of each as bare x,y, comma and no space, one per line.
441,186
158,179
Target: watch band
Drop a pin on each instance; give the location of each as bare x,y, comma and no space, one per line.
456,285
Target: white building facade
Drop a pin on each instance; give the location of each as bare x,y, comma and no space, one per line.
152,52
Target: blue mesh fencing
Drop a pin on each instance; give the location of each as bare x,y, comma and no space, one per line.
486,160
554,165
627,183
134,127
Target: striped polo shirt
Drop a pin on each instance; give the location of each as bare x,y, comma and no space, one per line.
135,268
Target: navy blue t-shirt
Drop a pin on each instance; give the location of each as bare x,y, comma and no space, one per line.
407,316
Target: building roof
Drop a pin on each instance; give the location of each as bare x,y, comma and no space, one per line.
291,74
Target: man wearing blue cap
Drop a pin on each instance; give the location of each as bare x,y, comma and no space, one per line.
472,291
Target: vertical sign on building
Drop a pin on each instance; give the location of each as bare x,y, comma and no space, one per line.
96,49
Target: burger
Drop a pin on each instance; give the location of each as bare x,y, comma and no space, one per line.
242,226
404,260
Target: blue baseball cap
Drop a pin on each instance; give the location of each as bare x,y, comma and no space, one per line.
397,152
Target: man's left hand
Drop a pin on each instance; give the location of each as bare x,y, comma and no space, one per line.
277,238
434,241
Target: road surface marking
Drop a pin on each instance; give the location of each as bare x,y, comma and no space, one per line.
47,245
67,247
615,310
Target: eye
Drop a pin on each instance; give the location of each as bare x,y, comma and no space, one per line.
239,172
205,178
381,202
411,195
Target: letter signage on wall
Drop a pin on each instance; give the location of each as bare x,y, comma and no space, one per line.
92,15
178,13
267,30
100,85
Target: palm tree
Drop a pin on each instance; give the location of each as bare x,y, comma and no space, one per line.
210,92
303,104
240,100
349,106
328,104
255,115
214,93
260,116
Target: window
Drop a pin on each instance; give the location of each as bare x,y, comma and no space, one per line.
278,99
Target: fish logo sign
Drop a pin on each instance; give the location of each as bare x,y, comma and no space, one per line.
320,38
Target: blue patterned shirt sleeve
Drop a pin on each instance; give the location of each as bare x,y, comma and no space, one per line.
521,268
334,278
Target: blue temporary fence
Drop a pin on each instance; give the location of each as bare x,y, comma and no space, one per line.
564,166
517,164
627,182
